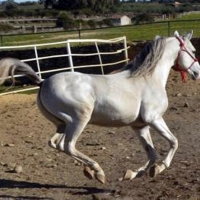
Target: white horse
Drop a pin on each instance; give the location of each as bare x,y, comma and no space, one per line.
135,97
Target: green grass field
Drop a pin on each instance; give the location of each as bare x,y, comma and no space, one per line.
133,32
190,16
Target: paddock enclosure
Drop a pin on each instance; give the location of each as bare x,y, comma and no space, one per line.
49,174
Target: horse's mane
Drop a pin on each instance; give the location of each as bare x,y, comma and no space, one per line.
145,62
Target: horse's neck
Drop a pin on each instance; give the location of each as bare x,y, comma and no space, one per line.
165,64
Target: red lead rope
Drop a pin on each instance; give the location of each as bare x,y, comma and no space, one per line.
183,76
177,66
182,72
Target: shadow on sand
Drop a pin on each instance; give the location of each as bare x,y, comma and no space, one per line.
9,184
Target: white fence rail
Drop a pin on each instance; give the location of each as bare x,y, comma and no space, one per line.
68,44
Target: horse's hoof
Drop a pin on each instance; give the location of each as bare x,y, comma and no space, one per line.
154,170
129,175
100,177
88,172
51,144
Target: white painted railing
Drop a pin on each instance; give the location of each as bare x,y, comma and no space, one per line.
70,55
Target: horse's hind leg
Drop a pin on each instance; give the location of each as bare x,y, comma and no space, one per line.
160,126
145,138
67,144
66,136
55,140
56,121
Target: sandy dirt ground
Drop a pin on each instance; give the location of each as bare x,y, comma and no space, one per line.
51,175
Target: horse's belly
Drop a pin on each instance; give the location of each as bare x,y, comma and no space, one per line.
117,112
113,119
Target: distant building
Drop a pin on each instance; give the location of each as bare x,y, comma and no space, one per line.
176,4
120,20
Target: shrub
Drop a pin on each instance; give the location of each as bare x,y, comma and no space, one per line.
107,22
143,18
4,27
79,23
91,23
65,21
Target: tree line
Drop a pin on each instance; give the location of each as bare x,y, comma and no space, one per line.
96,5
99,4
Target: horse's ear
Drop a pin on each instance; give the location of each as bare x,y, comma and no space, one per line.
157,37
176,34
189,35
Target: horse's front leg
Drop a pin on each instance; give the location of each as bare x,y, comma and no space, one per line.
147,143
160,126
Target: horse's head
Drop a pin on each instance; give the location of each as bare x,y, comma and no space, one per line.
186,60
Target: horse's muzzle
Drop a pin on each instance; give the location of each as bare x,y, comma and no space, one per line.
195,75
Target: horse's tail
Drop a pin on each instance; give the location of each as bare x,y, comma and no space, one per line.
11,67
